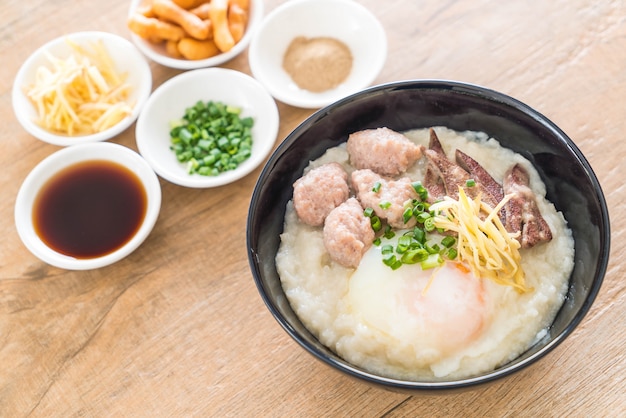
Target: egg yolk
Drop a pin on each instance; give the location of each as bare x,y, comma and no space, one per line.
437,311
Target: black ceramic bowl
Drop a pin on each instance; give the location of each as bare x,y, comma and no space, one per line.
570,181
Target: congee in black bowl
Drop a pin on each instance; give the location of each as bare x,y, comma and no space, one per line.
428,235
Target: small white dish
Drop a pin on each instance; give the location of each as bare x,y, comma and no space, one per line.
168,103
156,52
345,20
67,157
127,59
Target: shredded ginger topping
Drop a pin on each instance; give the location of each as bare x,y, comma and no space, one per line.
483,241
80,95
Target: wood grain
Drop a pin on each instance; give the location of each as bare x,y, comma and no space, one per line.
178,328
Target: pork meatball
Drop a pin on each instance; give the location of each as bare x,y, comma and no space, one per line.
387,197
348,233
387,152
319,191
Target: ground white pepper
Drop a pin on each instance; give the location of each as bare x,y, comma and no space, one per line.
317,64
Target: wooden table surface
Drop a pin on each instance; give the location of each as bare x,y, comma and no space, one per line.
178,328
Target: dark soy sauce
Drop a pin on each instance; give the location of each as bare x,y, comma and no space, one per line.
90,209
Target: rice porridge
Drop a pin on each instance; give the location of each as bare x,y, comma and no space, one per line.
433,324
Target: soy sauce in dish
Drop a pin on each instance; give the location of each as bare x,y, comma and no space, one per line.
89,209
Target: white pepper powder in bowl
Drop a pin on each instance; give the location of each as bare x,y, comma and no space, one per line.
317,64
296,53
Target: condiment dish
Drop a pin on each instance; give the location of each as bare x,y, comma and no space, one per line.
158,54
343,20
168,103
571,186
41,176
128,62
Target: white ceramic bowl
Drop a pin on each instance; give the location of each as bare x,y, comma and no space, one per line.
67,157
345,20
127,60
157,52
168,103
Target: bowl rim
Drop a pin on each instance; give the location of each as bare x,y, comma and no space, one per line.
184,64
66,157
19,99
454,384
245,82
317,100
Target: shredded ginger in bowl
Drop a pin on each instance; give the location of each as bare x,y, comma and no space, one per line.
82,94
483,241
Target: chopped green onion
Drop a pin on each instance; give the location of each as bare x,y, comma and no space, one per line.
211,138
407,214
376,223
470,183
420,190
432,261
387,249
414,256
448,241
429,224
376,187
422,217
389,232
432,248
416,245
392,262
404,242
419,234
421,207
368,212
